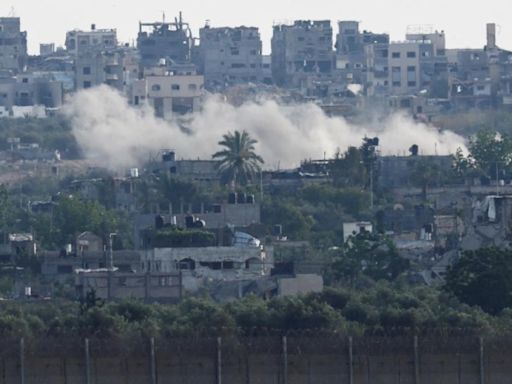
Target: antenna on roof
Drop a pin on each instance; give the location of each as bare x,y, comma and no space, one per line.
12,12
163,17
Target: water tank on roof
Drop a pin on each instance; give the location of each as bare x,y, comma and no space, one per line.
200,224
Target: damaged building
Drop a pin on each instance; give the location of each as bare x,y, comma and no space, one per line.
165,40
362,57
13,45
302,53
230,56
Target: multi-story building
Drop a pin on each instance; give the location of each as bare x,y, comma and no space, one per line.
481,77
361,56
301,53
96,40
169,41
169,92
31,89
230,55
13,45
419,64
115,67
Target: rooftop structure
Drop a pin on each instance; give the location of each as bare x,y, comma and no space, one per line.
164,40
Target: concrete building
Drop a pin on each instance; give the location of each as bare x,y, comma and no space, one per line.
395,171
13,45
481,77
80,43
170,93
230,56
200,266
419,64
117,67
302,52
362,57
115,285
61,265
30,90
162,40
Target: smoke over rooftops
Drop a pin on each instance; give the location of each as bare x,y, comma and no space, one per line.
119,136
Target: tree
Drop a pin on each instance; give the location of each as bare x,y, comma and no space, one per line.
482,278
370,254
238,161
491,151
424,174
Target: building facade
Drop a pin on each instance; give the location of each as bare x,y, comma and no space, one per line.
170,41
13,45
302,52
230,56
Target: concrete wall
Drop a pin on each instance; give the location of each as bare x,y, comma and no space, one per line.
316,359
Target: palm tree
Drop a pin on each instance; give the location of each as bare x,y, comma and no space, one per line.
238,162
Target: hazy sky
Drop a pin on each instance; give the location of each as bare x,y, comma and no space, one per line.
463,20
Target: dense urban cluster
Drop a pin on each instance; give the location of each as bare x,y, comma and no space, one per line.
171,69
356,242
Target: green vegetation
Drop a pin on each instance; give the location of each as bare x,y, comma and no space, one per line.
483,278
382,308
183,238
72,216
238,161
51,133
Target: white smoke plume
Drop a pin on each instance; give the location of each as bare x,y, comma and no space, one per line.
120,136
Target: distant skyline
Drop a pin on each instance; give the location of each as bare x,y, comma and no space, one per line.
47,21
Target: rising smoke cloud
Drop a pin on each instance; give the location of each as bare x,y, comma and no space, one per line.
119,136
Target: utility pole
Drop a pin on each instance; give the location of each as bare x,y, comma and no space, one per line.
111,251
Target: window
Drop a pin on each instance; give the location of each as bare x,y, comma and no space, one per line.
156,87
87,84
411,68
86,70
411,83
254,52
192,87
397,84
25,80
175,87
411,55
395,55
235,51
237,65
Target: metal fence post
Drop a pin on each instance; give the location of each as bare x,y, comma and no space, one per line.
416,361
87,362
285,360
482,361
152,360
219,360
350,361
22,360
